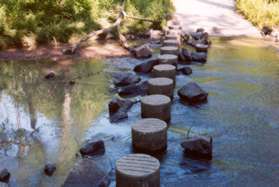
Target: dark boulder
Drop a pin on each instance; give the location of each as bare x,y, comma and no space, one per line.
50,75
192,94
266,31
143,51
118,109
185,56
5,175
93,148
147,66
201,47
49,169
87,173
134,90
198,148
200,30
124,79
185,70
199,57
197,35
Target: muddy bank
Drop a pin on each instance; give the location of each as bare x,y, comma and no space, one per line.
96,50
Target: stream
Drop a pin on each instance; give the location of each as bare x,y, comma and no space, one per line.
45,121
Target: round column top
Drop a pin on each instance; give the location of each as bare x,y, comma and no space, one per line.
155,100
149,125
160,81
137,165
164,67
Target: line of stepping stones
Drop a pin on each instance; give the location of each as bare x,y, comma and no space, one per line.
149,135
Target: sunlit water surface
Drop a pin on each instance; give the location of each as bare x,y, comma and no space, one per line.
242,115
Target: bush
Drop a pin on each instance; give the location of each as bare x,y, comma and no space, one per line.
260,12
58,20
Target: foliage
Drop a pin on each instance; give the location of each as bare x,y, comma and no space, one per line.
49,20
260,12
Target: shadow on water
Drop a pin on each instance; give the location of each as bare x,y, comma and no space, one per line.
242,115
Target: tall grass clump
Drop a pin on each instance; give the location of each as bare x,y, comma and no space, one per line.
260,12
49,20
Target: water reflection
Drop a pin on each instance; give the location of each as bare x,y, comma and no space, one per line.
52,114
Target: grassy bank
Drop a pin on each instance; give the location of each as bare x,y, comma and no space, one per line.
42,22
260,12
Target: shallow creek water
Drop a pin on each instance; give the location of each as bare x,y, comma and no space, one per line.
242,115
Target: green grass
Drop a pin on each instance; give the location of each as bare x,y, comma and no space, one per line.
260,12
55,20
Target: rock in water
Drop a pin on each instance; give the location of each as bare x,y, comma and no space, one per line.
198,148
185,70
201,47
50,75
5,175
124,79
199,57
118,109
266,31
192,94
147,66
93,148
143,51
185,56
134,90
87,173
49,169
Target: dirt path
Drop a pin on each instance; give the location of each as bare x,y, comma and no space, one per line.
218,17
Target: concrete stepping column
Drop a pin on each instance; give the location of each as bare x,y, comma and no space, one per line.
168,59
156,106
137,170
149,135
174,43
171,37
160,85
165,70
172,50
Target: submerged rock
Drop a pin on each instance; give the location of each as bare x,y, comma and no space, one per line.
49,169
199,57
124,79
93,148
192,94
147,66
198,148
143,51
118,109
134,90
5,175
87,173
185,56
185,70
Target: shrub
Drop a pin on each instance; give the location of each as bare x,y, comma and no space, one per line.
260,12
59,20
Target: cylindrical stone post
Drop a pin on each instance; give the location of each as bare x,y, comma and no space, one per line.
173,43
165,70
168,59
172,50
160,86
149,135
156,106
171,37
137,170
